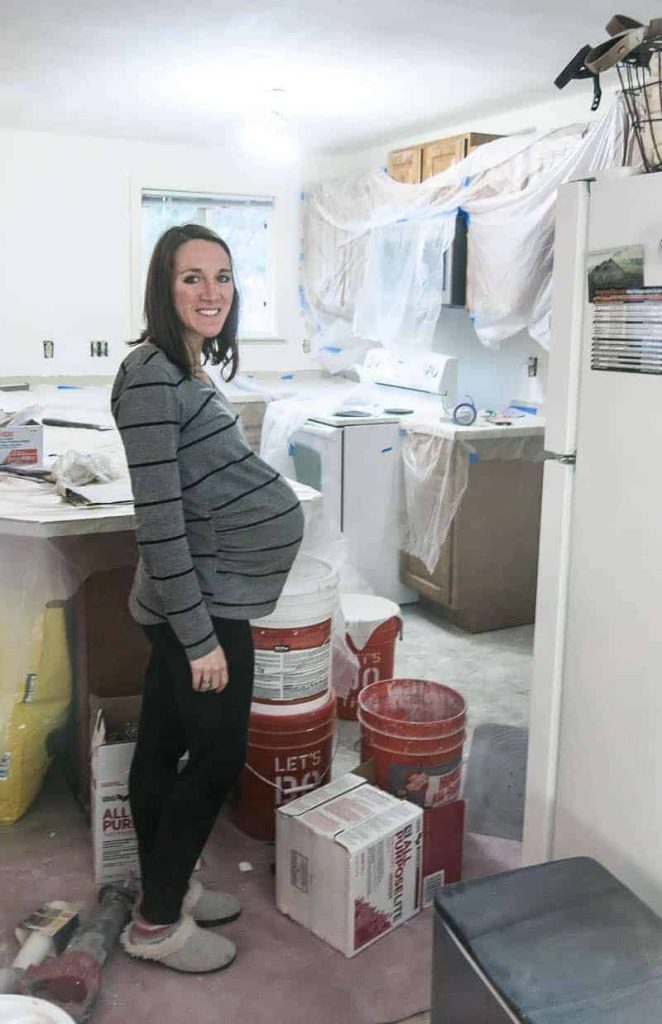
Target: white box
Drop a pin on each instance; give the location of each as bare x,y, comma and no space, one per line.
113,834
22,446
348,862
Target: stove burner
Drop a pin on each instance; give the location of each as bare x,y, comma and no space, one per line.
353,412
398,412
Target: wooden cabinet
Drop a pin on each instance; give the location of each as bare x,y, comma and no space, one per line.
111,657
404,165
440,155
486,574
476,139
416,163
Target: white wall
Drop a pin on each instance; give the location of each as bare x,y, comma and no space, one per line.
65,257
493,378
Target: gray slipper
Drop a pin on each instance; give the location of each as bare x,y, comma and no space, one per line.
208,907
184,947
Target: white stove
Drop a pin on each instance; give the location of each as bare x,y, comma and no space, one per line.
353,455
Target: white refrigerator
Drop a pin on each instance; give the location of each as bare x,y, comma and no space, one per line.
594,783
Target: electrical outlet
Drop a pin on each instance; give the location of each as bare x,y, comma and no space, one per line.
49,349
532,366
98,348
305,345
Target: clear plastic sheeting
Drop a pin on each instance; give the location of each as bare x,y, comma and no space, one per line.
373,248
283,418
512,233
436,474
401,295
322,541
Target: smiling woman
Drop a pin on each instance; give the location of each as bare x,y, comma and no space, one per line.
202,290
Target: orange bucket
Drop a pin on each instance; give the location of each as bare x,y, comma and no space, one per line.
288,755
413,730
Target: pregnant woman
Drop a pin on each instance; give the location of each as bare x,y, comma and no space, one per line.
217,531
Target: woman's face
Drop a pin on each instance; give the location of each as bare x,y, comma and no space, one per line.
202,289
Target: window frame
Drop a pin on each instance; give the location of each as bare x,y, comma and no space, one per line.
139,188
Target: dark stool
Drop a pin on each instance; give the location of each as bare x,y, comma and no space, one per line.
558,943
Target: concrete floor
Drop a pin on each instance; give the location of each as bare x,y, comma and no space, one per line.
492,671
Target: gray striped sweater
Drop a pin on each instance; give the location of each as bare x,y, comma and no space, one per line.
217,528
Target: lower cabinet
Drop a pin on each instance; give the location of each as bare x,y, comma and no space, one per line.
487,570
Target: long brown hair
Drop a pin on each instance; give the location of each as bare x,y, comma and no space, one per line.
163,327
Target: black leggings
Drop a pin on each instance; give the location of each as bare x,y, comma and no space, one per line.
174,812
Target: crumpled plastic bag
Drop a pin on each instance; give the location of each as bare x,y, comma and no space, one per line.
75,469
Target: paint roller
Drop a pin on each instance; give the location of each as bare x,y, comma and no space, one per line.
43,934
72,980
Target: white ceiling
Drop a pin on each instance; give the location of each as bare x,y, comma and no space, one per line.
354,72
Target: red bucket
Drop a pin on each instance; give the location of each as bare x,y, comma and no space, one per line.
372,625
288,755
413,731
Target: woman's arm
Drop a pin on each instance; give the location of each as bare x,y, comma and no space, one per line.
147,412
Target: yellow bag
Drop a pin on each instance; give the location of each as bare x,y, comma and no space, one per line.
42,699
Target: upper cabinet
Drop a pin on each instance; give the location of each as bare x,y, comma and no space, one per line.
417,163
438,156
404,165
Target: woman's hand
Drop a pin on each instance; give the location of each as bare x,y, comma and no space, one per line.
210,673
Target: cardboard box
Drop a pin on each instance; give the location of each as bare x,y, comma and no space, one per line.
443,842
348,862
113,835
443,835
22,446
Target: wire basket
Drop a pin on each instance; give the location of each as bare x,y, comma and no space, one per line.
642,89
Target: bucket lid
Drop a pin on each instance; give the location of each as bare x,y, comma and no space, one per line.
290,707
310,576
15,1009
367,608
295,717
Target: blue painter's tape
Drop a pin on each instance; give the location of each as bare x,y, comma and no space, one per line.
330,348
402,432
291,450
302,196
385,450
473,456
466,181
68,387
287,376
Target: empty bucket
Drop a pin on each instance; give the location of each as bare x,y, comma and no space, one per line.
289,753
413,730
372,625
293,644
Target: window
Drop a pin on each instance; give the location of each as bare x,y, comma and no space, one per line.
244,222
